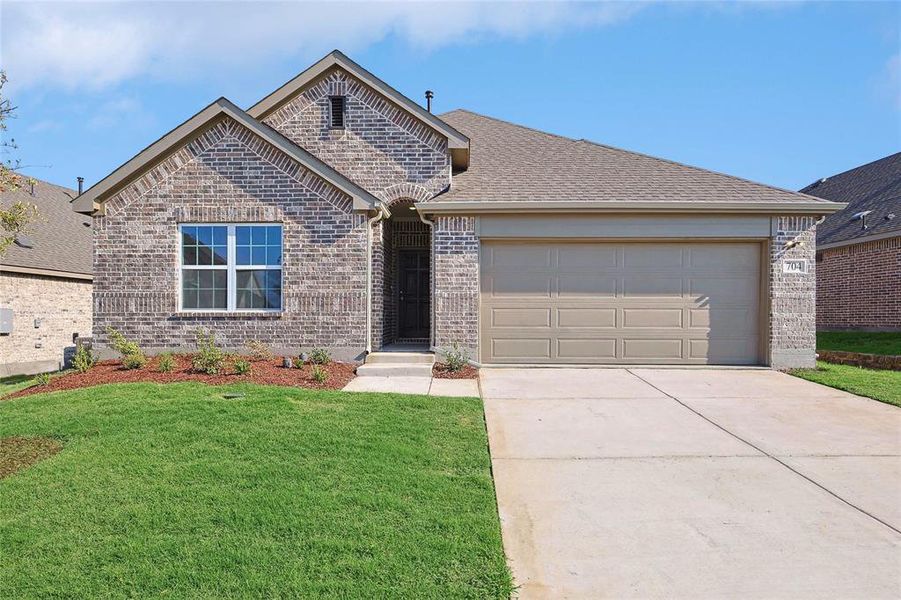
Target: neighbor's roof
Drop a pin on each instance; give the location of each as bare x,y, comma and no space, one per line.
876,187
93,198
60,240
515,166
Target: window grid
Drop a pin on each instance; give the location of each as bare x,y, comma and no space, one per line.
262,282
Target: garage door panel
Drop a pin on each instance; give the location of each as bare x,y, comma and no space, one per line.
654,303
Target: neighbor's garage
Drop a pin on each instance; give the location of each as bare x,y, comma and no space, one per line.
620,302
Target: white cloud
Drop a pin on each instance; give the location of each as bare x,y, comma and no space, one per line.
91,45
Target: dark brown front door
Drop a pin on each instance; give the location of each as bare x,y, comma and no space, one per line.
413,294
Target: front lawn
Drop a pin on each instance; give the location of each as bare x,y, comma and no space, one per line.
881,385
886,343
174,490
14,383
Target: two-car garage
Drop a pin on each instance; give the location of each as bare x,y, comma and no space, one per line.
655,302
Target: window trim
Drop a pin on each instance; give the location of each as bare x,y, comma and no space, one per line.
231,267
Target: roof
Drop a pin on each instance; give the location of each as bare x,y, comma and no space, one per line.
517,168
92,199
457,142
60,240
874,187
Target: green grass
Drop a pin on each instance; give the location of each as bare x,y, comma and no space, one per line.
171,490
14,383
881,385
860,341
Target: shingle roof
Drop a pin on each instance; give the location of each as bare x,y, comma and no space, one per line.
875,186
61,239
514,163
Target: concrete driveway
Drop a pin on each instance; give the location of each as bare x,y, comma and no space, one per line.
693,483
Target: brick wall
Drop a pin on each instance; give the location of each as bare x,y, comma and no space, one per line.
63,307
381,146
230,175
455,249
792,333
859,286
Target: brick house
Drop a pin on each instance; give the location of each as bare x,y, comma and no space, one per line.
338,213
45,283
859,249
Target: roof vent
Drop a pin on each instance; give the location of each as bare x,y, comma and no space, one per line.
24,241
889,216
80,181
429,94
338,105
862,217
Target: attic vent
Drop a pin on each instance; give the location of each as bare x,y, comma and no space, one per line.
338,106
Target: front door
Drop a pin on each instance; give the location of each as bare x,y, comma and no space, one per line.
413,294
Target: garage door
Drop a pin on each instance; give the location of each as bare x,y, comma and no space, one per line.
653,303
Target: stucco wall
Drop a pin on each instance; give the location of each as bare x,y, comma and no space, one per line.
230,175
859,286
62,307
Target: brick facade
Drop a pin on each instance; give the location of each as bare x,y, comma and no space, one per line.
46,312
792,327
230,175
859,286
455,251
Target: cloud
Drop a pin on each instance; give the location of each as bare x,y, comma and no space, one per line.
889,84
89,45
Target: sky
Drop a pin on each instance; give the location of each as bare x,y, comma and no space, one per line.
782,93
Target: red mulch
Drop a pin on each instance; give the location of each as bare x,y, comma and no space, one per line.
266,372
440,371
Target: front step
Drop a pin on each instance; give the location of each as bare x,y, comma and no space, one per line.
395,370
395,358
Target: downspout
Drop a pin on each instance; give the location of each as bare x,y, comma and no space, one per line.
382,213
431,225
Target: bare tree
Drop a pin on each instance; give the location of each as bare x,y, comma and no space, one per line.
17,218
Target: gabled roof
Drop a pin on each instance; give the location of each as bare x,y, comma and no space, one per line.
874,187
515,168
60,241
92,199
457,142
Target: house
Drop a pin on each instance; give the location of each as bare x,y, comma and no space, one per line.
859,248
336,212
45,283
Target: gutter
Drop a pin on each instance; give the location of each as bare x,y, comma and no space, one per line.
382,213
590,206
861,240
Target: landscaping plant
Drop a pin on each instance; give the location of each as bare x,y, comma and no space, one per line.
83,359
209,358
166,363
259,351
320,356
455,357
242,367
319,374
41,379
132,356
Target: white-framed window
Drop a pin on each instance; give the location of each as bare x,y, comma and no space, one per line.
230,267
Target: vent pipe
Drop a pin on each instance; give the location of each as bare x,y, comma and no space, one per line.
429,94
80,184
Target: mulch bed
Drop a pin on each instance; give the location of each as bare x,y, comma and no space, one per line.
440,371
18,453
859,359
265,372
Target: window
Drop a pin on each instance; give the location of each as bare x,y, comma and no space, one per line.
231,267
338,105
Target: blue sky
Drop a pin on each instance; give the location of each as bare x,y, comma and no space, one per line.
781,93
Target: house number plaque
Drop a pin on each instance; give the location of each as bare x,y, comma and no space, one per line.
797,267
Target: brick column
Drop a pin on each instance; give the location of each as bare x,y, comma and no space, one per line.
792,333
455,247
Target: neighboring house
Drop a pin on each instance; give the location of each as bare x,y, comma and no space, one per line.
338,213
45,283
859,248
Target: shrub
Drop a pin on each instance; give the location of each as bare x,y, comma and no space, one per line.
319,374
41,379
209,357
259,351
134,361
242,367
83,359
132,357
455,357
320,356
167,363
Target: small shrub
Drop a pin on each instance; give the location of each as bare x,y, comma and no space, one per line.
319,374
83,359
41,379
259,351
167,363
132,357
209,357
320,356
455,357
242,367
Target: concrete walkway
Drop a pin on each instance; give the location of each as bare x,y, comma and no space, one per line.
460,388
649,483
